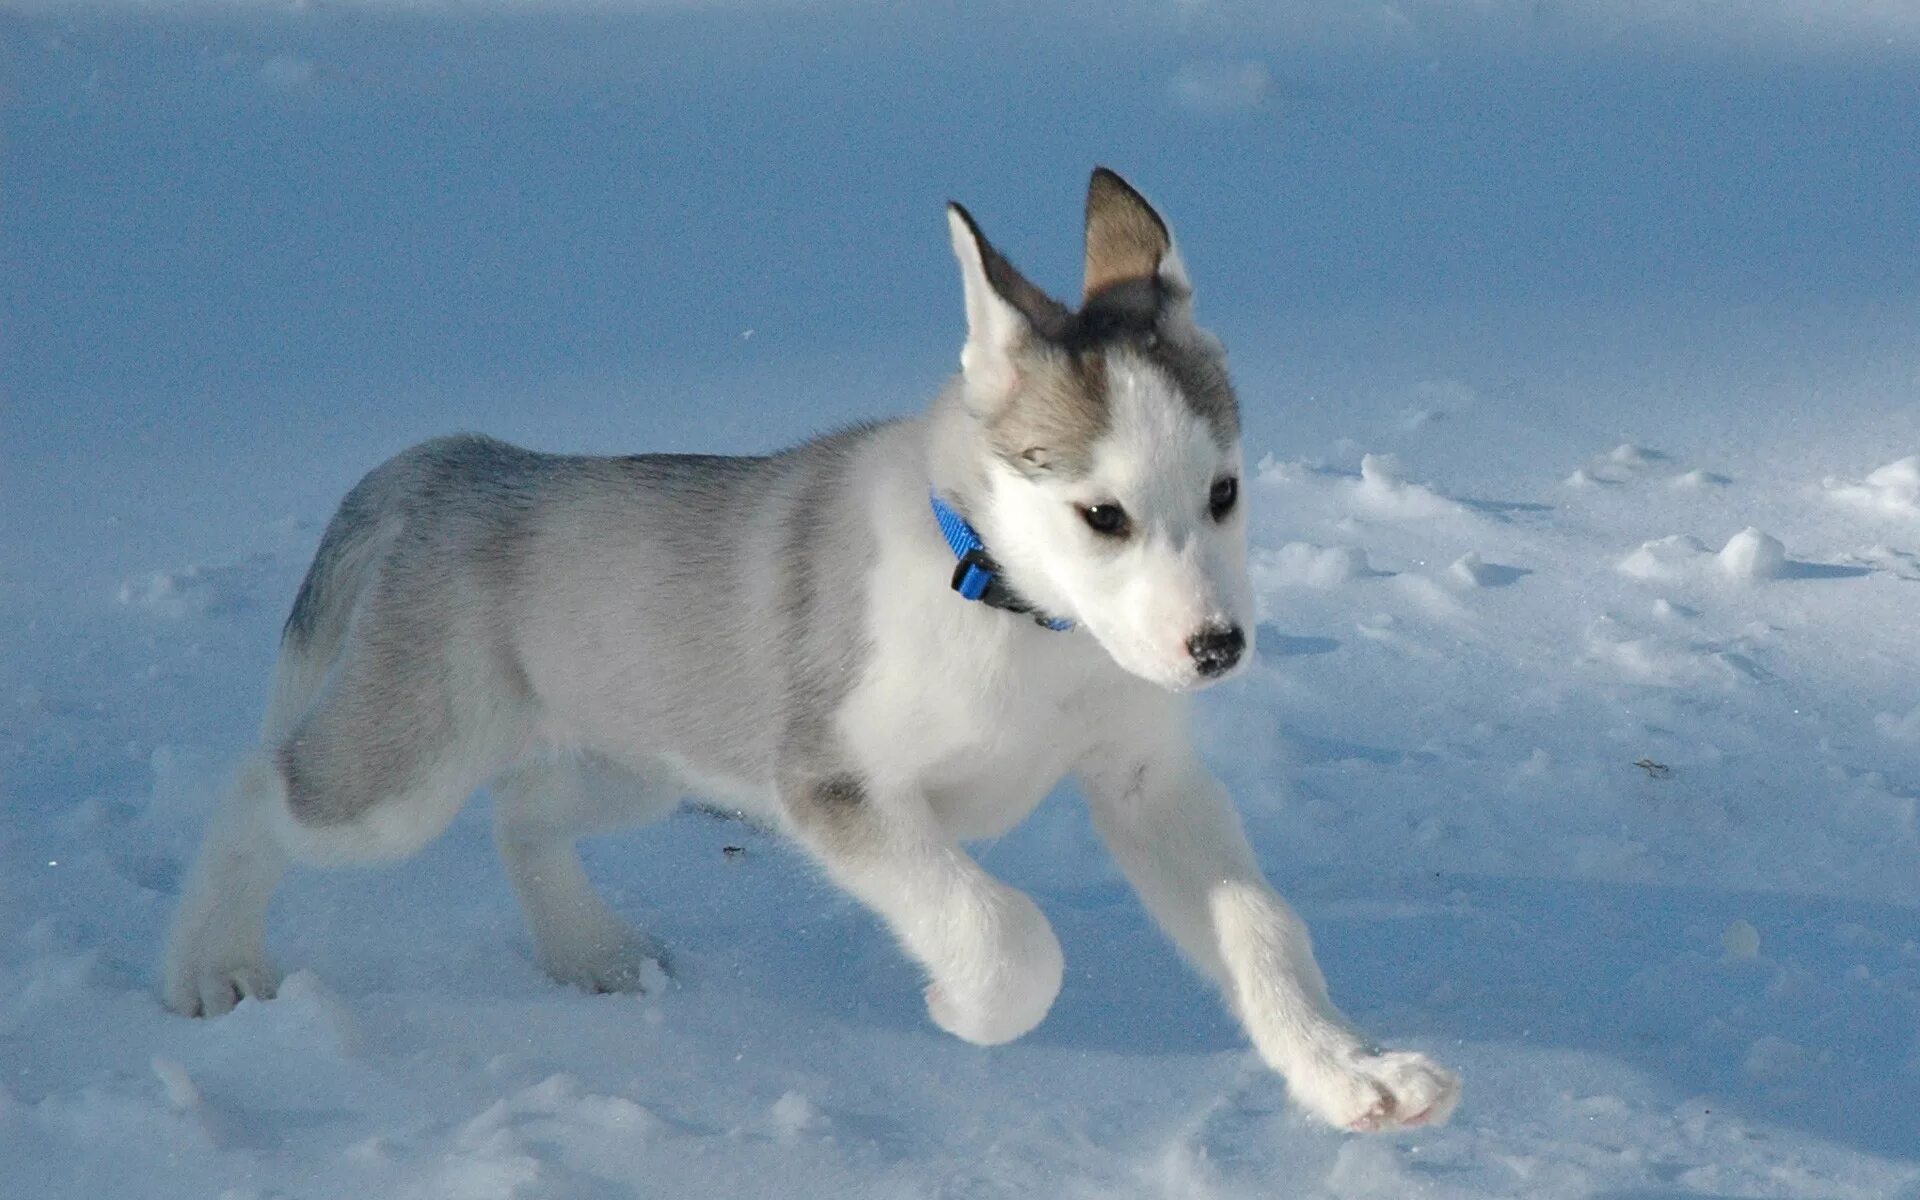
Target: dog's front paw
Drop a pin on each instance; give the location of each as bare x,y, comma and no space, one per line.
210,989
617,960
1374,1092
1008,981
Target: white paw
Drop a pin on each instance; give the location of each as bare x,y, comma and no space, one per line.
623,962
1008,983
212,989
1374,1092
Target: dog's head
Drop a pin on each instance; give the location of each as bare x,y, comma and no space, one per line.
1111,445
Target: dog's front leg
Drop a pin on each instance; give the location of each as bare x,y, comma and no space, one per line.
1177,837
993,962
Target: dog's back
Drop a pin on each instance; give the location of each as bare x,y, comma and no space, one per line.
471,591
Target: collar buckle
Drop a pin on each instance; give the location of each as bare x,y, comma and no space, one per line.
974,575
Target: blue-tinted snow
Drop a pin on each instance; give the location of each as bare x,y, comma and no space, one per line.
1596,275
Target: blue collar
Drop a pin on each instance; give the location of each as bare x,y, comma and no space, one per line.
977,576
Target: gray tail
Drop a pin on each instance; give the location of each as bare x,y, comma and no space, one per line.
349,554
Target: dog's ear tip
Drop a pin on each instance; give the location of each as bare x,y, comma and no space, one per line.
959,219
1106,179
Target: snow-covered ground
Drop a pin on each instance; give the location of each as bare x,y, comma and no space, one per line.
1580,348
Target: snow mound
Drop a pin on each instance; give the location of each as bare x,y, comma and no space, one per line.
1645,659
1624,462
1371,1170
1384,491
1665,559
1303,564
1381,491
1471,570
793,1116
203,589
1698,480
1741,941
543,1133
1435,400
1752,556
1894,488
1629,457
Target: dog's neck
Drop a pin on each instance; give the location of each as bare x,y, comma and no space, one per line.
957,480
956,453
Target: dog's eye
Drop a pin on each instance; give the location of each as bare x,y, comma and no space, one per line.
1107,520
1221,499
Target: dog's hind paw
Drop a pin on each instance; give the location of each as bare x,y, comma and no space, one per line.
1375,1092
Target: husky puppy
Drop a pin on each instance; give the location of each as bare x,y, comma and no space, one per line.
887,641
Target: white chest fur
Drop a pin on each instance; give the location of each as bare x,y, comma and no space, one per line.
980,710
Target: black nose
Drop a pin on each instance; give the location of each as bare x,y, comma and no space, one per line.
1216,650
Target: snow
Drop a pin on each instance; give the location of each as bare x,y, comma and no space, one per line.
1894,488
1578,350
1753,555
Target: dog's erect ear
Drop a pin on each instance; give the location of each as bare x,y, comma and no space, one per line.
1127,242
1005,313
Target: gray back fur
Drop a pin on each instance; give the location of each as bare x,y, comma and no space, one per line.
712,603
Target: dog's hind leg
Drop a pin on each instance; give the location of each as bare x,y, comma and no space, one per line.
540,807
390,750
216,951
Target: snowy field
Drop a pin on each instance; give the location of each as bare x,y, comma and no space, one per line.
1579,344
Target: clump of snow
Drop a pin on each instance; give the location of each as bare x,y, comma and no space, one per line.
1665,559
1618,465
1899,728
1303,564
1894,488
1699,480
1434,400
793,1115
182,1093
1384,491
1371,1169
1474,571
1741,941
203,589
1642,659
1629,457
1381,491
306,1013
1667,610
1752,556
1469,569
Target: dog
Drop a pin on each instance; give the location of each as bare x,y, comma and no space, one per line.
886,642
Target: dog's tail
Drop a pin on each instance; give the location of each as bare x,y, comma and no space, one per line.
343,567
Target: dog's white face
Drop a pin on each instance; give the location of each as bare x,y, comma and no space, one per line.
1148,548
1111,442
